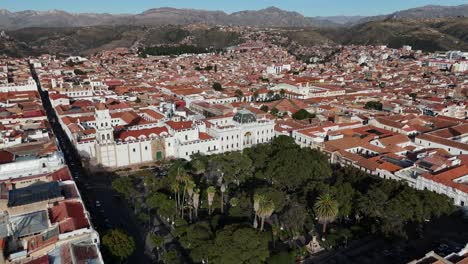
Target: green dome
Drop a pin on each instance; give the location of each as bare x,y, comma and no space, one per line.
244,116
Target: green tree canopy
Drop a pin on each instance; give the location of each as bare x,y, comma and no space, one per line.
294,217
124,185
287,172
326,210
282,258
235,166
302,114
171,257
157,240
119,244
217,86
79,72
236,244
197,239
375,105
274,111
199,163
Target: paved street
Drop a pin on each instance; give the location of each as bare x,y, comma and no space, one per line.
106,208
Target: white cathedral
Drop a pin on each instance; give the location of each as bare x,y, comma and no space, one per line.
119,147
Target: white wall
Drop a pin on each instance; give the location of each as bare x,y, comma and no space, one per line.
31,167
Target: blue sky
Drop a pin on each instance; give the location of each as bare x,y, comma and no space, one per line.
306,7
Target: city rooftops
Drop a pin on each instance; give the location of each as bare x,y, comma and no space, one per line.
34,193
28,224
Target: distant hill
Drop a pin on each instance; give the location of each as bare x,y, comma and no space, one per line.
87,40
52,18
422,13
430,35
32,33
268,17
13,48
336,20
431,12
166,15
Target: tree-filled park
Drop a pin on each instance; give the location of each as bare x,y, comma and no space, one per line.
264,204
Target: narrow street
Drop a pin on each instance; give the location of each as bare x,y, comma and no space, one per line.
106,208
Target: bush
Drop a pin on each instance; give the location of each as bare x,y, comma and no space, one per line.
373,105
217,86
79,72
302,114
119,244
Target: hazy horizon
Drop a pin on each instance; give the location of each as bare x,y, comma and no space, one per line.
305,7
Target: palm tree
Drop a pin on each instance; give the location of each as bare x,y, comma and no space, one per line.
196,201
326,210
184,178
190,187
258,198
223,189
265,210
211,191
175,189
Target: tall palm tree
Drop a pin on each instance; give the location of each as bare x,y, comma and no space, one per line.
211,191
258,198
265,210
175,189
326,210
196,201
190,187
223,190
184,179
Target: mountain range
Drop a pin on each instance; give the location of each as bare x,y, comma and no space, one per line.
268,17
26,33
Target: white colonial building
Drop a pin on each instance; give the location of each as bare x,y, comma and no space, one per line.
114,147
24,165
30,85
241,131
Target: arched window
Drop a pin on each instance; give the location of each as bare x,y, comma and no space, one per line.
103,137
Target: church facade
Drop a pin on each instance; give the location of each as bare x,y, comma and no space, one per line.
113,146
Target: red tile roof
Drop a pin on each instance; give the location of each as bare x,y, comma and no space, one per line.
447,177
123,135
70,216
179,125
204,136
6,157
